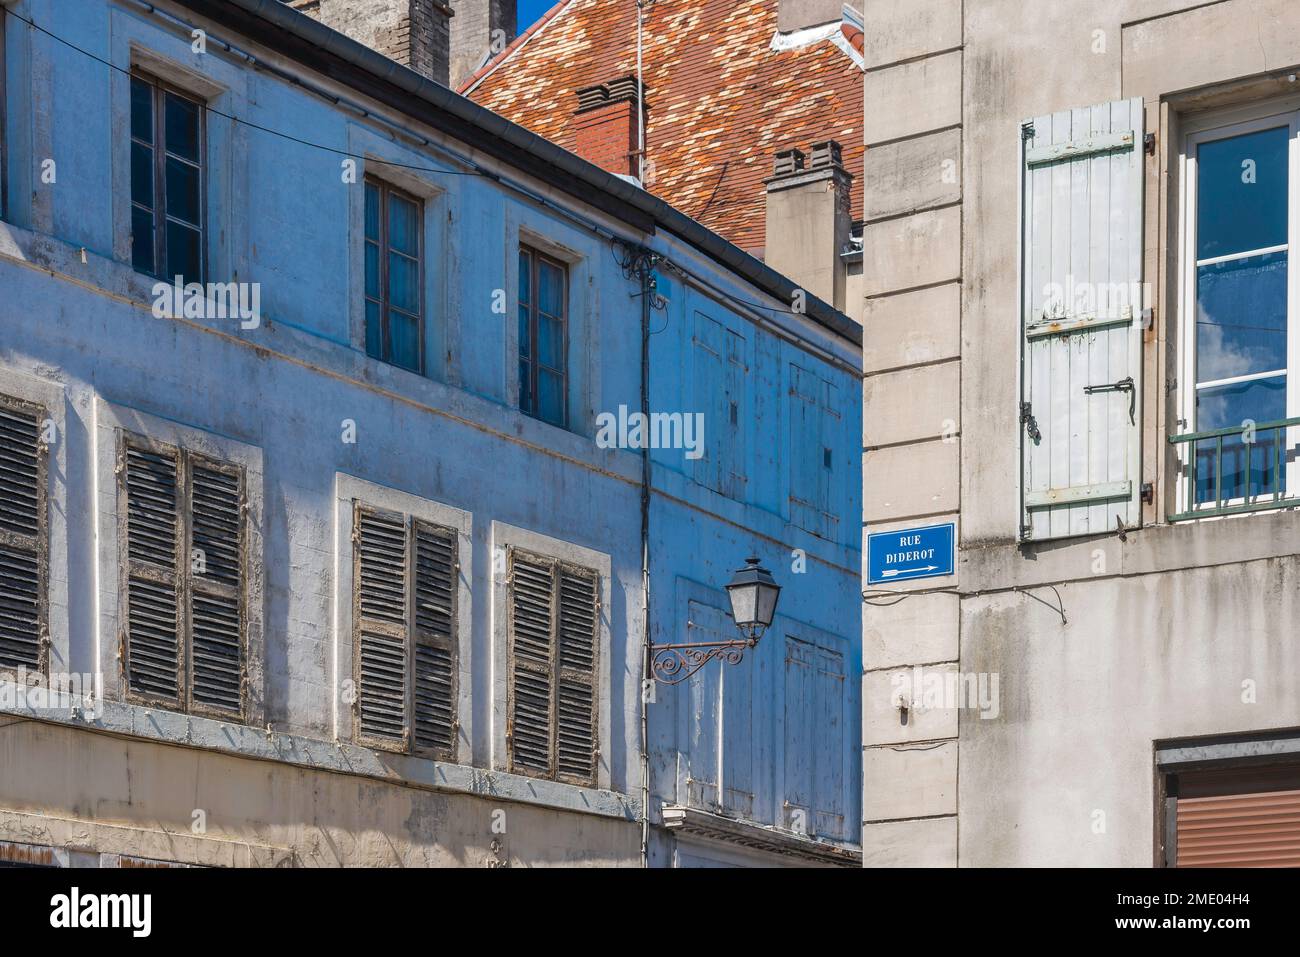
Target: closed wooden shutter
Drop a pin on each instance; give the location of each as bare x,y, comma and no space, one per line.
719,385
532,613
554,622
23,536
153,534
434,640
814,437
380,567
576,698
814,737
1081,331
216,575
1259,829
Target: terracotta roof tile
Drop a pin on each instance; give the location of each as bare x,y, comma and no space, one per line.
721,101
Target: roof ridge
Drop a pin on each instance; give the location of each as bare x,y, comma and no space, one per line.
488,68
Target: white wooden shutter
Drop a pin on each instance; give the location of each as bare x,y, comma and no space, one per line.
1081,327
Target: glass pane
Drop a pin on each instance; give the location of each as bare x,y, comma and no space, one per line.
183,191
374,331
525,386
550,342
184,254
550,397
141,110
1241,317
182,127
372,271
525,277
1241,193
372,212
1247,465
142,240
404,336
142,175
550,292
525,340
403,225
403,283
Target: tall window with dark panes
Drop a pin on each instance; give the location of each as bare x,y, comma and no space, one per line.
394,326
167,181
543,337
1241,289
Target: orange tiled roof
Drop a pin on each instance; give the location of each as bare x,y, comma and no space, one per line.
721,101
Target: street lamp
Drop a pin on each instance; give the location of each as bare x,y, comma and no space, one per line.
753,594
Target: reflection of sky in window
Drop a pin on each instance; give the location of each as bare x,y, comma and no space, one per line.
1241,193
1241,317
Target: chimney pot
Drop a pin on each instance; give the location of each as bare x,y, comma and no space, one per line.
826,153
788,162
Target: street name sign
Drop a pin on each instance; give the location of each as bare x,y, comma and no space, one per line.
907,553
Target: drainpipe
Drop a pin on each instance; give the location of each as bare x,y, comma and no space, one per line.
640,262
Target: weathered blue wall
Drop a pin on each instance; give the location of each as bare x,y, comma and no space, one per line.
282,216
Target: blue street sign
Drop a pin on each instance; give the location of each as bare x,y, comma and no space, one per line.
908,553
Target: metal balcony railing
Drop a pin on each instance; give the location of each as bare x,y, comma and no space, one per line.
1234,470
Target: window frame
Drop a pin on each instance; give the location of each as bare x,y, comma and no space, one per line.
1213,128
159,90
181,578
41,546
556,671
536,256
410,638
385,301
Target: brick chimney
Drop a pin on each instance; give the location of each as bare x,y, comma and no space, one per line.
810,220
480,30
606,125
415,33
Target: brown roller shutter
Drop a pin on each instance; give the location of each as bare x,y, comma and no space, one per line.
1258,829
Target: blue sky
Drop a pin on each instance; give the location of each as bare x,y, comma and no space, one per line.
531,10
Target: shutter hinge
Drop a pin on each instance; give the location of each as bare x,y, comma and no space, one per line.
1148,319
1027,131
1028,421
1149,144
1148,493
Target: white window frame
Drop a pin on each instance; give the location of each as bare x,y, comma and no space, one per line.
1213,128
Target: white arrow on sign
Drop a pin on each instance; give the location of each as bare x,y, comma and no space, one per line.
895,572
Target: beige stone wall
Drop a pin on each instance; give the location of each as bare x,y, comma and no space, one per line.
94,793
1158,632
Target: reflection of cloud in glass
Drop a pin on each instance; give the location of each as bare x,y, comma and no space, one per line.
1224,360
1241,317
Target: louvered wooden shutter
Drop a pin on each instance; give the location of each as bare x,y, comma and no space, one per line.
23,531
1081,330
576,699
532,615
380,573
153,534
216,577
553,653
434,640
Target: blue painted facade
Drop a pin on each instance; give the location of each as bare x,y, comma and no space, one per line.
772,743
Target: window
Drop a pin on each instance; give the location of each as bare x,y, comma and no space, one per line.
720,374
1241,341
543,337
167,181
404,604
23,536
554,616
182,521
394,327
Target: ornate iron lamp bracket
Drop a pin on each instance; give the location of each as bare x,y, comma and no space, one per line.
673,664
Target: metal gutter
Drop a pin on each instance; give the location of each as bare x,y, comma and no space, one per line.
296,35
